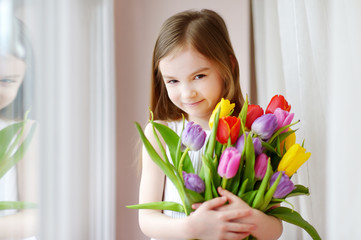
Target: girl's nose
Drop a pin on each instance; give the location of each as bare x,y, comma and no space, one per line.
188,91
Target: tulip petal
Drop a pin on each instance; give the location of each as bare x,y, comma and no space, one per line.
223,131
288,157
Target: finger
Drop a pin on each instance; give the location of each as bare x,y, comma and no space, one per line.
240,227
235,236
230,196
235,214
213,203
196,205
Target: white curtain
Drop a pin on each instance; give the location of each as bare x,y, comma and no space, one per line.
309,51
73,41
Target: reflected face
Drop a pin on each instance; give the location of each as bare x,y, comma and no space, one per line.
12,71
193,83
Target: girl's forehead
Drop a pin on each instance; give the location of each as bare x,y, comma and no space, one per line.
182,54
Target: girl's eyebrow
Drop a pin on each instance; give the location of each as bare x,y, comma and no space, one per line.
192,74
199,70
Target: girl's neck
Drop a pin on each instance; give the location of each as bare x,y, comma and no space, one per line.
203,122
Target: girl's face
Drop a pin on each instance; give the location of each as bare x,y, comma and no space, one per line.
12,72
193,83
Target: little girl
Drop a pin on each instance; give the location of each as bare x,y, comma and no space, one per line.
194,66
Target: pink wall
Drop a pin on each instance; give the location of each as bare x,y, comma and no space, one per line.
136,26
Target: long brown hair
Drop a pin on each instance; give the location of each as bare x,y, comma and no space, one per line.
206,32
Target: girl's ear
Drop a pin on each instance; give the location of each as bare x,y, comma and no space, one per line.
233,62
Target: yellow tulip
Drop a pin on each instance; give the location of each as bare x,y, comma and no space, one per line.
288,142
226,108
293,159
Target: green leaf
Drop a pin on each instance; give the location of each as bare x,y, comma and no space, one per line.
281,130
212,138
299,190
269,147
164,166
5,205
173,206
258,201
193,197
243,188
213,171
293,217
248,197
172,139
8,162
270,192
284,135
249,165
207,178
243,114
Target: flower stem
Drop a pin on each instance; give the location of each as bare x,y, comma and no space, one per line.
181,161
224,183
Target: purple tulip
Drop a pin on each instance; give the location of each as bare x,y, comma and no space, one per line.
229,162
283,118
285,186
260,166
193,182
193,136
257,144
265,126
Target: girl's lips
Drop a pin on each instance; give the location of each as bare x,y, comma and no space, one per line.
193,104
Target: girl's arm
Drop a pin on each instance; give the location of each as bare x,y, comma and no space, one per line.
267,227
205,223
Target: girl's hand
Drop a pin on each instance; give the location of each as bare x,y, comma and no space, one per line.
234,202
207,222
265,227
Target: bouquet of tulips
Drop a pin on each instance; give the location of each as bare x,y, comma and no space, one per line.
253,155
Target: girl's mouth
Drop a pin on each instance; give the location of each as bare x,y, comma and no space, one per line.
193,104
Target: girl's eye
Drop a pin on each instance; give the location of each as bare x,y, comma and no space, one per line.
172,81
199,76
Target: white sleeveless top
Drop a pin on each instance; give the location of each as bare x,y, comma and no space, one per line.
170,191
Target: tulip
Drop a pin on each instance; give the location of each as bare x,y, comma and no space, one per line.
293,159
229,163
260,166
278,101
283,118
193,136
226,109
265,126
228,127
257,144
284,187
288,142
253,112
193,182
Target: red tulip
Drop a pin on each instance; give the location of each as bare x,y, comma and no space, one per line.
228,126
253,112
278,101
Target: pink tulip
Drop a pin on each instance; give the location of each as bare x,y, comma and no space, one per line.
260,166
229,162
283,118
